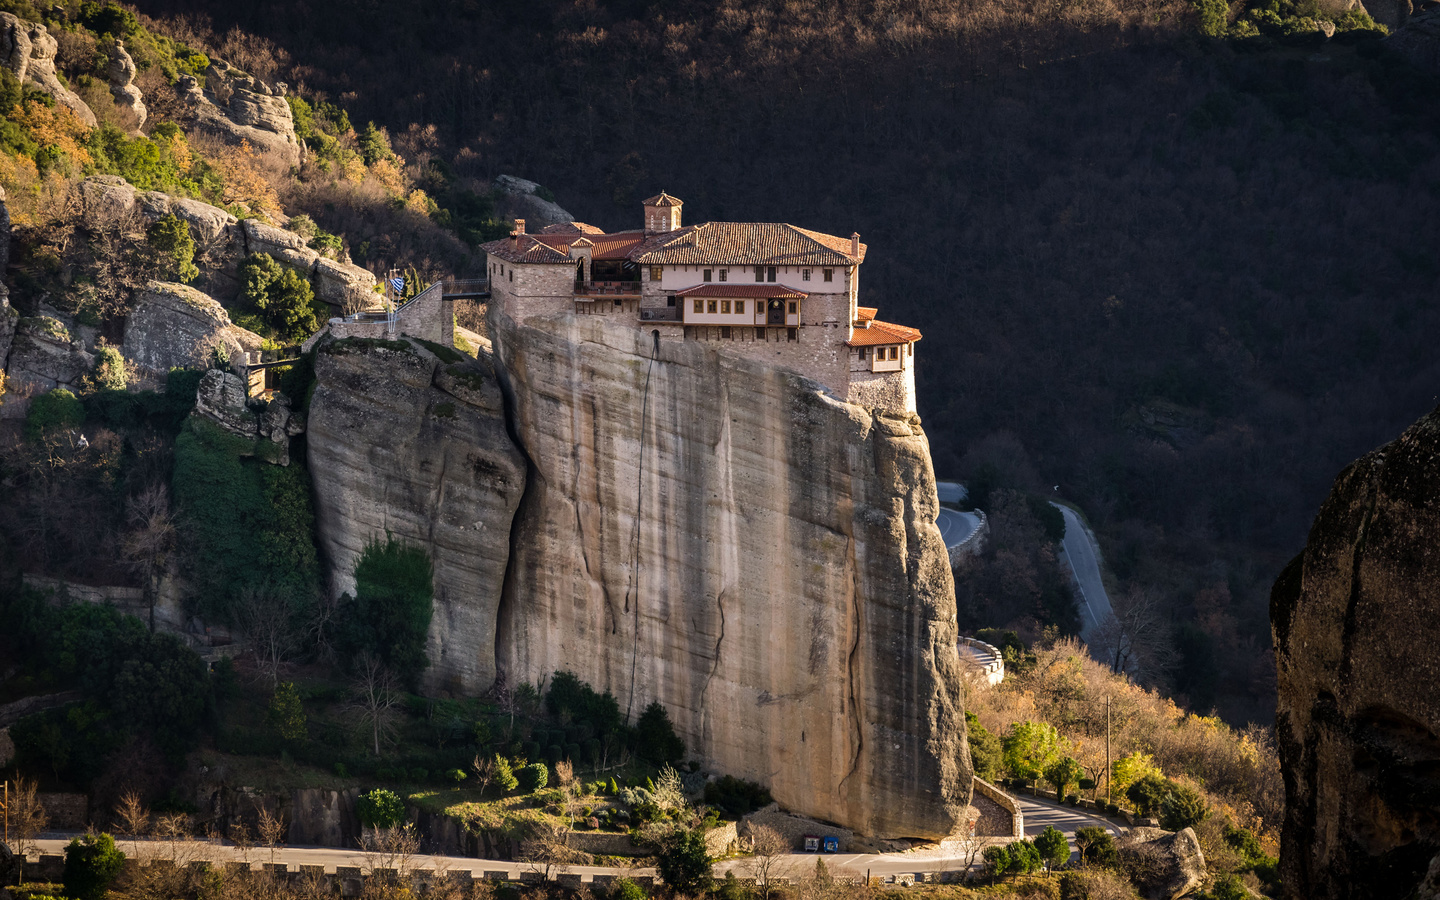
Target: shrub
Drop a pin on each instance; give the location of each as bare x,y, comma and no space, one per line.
986,756
1019,858
1072,799
735,797
1031,748
1148,793
380,809
92,861
285,299
533,777
684,863
1129,769
1053,847
170,237
625,889
1182,807
389,615
287,715
1062,773
504,775
655,736
419,774
109,372
1096,846
1226,887
456,775
53,411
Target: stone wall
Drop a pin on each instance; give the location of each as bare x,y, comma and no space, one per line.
884,390
793,608
1005,802
532,289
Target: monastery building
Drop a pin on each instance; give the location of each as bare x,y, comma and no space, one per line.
775,292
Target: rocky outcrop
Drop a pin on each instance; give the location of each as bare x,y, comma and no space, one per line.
519,200
1358,719
4,259
1419,41
1164,865
28,50
43,356
237,107
121,72
175,326
222,242
404,444
792,606
269,425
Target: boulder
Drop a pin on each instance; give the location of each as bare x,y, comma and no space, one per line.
43,355
121,72
1357,720
1393,14
9,320
237,107
4,260
106,197
28,50
221,398
11,867
174,325
1419,41
345,285
1164,865
286,246
518,200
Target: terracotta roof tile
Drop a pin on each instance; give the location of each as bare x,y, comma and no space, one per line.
864,313
663,199
529,248
750,244
571,228
764,291
882,333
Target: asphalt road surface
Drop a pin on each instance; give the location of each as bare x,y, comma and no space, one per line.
956,526
1083,557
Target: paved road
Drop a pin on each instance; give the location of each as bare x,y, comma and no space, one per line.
956,526
1083,556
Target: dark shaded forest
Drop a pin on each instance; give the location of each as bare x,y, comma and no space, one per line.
1184,279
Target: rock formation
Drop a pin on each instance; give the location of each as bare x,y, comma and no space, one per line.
1168,864
237,107
221,398
121,72
43,356
173,325
403,444
1419,41
4,259
1358,720
28,50
793,607
518,200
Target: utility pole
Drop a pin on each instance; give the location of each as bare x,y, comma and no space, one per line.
1108,797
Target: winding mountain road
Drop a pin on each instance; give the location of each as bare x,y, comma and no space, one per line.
1082,554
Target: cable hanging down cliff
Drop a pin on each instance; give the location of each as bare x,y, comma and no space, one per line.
635,531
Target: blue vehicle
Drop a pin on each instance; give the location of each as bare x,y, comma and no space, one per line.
832,845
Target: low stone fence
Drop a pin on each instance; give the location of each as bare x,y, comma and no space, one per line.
794,828
984,659
972,544
1006,802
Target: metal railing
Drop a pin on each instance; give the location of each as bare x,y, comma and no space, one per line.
466,286
608,288
661,314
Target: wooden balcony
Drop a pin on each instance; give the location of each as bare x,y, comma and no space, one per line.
595,289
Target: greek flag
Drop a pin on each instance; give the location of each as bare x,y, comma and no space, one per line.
398,285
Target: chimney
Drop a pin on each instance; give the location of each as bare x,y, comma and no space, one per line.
515,232
855,244
519,226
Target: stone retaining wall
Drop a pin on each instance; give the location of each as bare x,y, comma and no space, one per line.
1006,802
973,544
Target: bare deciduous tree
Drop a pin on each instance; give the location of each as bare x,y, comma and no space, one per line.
272,829
769,859
151,536
264,613
375,692
134,820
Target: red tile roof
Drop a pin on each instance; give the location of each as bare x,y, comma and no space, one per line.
864,314
763,291
882,333
528,248
663,199
571,228
750,244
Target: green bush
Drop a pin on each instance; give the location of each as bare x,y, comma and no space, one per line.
285,300
109,372
1030,748
684,862
170,237
1062,773
287,715
625,889
533,777
54,410
656,741
1182,807
1019,858
92,861
389,615
1096,846
380,809
1053,847
1148,793
735,797
986,756
505,776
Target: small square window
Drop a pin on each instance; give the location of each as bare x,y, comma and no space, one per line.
724,274
804,274
699,305
894,352
725,306
740,307
759,334
794,334
770,274
707,275
829,274
725,332
657,273
710,307
617,304
670,301
794,307
759,273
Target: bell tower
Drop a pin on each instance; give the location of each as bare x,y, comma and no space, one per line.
662,214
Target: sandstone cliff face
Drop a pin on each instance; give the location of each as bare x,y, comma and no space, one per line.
173,325
237,107
793,608
405,445
28,50
1359,716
